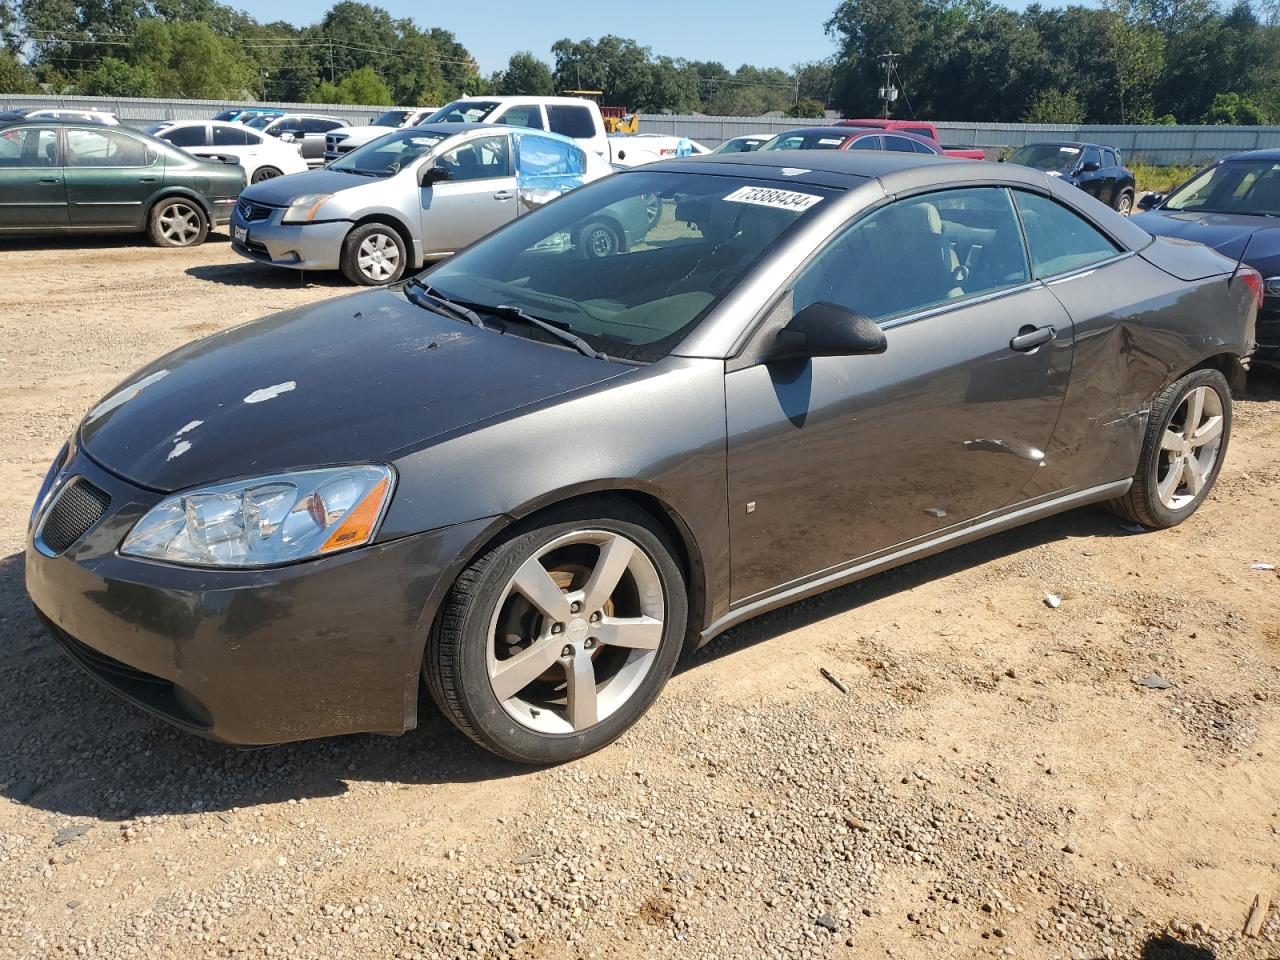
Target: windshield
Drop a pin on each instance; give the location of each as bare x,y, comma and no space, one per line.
1050,157
259,122
806,141
388,155
630,263
1236,186
740,145
392,118
463,111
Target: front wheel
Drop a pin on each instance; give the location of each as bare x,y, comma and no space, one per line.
598,240
557,640
1124,204
372,255
177,222
1186,440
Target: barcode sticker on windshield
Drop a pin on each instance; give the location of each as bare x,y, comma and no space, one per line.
766,197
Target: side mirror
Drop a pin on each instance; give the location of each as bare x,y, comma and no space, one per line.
1091,167
826,330
1150,201
430,175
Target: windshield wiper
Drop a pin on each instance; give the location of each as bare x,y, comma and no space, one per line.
434,299
515,313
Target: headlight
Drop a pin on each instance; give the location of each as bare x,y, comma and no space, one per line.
1272,286
267,520
303,209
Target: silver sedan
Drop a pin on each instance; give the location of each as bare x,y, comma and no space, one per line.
416,194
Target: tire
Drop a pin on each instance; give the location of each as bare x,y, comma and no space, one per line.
487,623
1124,203
265,173
598,240
373,255
1157,499
177,222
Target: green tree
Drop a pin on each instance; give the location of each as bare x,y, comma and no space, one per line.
113,77
14,77
1233,109
525,75
807,107
1055,106
362,86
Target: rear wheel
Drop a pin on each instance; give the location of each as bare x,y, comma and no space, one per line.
557,640
598,240
373,254
1186,440
265,173
177,222
1124,204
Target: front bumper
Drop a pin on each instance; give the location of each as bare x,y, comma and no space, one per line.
314,649
1267,331
311,246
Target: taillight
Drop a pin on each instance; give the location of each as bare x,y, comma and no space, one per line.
1253,280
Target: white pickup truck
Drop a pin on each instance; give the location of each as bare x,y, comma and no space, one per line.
344,139
574,117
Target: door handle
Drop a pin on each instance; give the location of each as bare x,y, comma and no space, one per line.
1030,337
146,179
47,180
503,195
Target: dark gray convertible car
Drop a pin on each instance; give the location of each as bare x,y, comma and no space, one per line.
533,476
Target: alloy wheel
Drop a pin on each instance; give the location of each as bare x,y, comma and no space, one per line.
179,224
1126,205
1189,448
265,173
378,257
575,631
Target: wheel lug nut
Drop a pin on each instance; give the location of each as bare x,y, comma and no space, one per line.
567,651
588,644
595,617
575,607
557,628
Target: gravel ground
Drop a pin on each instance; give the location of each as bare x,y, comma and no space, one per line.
1002,778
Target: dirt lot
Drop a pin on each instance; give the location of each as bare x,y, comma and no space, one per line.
995,782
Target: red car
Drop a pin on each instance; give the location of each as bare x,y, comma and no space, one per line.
837,138
921,128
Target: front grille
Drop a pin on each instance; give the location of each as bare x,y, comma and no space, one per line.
333,142
76,508
252,212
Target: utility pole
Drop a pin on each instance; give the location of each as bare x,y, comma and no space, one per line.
888,93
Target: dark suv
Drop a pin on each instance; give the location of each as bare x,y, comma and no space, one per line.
1095,169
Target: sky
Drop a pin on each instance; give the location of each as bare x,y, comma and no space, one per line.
764,33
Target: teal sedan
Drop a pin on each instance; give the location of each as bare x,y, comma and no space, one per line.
58,177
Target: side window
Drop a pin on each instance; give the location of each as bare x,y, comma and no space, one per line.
316,125
1091,155
185,136
229,136
1110,159
918,253
480,159
922,148
1060,239
866,143
105,148
575,122
899,144
523,115
29,147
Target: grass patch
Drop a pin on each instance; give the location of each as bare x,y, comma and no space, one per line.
1162,179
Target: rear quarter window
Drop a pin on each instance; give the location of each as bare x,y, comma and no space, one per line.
1060,240
576,122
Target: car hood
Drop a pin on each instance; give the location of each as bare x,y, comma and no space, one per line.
355,379
1225,232
282,191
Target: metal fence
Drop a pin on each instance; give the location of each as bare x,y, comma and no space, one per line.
1147,144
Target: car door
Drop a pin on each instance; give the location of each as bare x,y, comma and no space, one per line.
32,192
1091,178
110,176
836,459
313,131
478,196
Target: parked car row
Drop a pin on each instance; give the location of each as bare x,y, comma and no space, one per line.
533,476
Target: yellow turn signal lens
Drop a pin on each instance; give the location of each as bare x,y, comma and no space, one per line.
359,524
